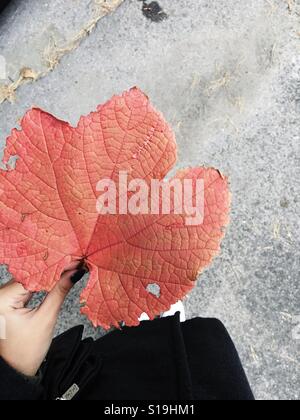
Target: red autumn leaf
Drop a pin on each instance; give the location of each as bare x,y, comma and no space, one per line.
48,214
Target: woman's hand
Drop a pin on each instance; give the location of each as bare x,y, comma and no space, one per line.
29,332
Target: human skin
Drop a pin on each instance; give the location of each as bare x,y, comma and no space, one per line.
29,332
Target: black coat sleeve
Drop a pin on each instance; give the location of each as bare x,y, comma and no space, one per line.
3,4
160,360
16,387
216,370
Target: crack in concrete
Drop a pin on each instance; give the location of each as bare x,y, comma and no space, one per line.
54,53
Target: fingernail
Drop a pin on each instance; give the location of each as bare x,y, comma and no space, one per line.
78,275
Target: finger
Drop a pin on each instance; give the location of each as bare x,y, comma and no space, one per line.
55,299
14,295
73,266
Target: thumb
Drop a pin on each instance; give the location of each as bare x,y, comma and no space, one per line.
53,302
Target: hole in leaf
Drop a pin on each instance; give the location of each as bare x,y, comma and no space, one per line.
11,164
154,289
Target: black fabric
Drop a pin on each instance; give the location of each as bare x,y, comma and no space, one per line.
3,4
14,386
159,360
215,366
144,363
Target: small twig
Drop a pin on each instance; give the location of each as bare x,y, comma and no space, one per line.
290,4
276,230
218,84
254,354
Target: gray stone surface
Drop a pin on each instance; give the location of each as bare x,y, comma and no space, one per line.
226,76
